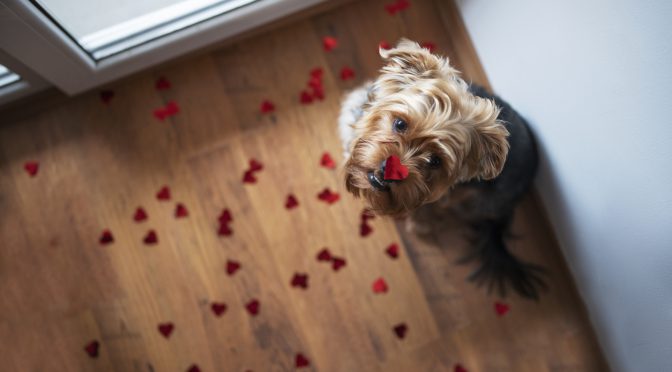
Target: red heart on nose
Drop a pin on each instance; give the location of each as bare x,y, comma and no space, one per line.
394,170
379,286
501,308
166,329
218,308
92,348
301,361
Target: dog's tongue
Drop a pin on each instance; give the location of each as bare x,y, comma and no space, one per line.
394,170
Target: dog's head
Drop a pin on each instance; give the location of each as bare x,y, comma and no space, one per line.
421,111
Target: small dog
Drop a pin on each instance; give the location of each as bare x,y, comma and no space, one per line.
464,152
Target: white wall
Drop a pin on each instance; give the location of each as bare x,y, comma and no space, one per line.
594,78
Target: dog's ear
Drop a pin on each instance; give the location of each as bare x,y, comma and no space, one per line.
409,56
489,144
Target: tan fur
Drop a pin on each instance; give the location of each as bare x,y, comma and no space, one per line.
443,119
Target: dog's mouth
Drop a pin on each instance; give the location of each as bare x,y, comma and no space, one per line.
376,182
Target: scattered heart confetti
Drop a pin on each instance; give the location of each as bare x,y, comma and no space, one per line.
301,361
166,329
324,255
315,82
225,216
218,308
291,202
267,107
393,250
92,348
248,177
151,237
429,46
181,211
379,286
337,263
255,165
31,167
459,368
318,93
329,43
397,6
170,109
305,97
394,170
300,280
106,96
400,330
253,307
501,308
347,73
365,230
327,161
328,196
232,267
163,194
106,237
140,215
162,84
194,368
224,230
316,72
384,45
367,215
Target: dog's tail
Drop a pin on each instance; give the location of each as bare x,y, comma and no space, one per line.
498,267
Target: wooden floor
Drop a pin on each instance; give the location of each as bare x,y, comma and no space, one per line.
60,288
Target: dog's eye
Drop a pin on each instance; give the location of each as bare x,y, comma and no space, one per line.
399,125
434,161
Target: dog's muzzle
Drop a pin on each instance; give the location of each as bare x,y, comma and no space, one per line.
377,181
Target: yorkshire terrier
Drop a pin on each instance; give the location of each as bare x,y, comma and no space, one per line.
421,142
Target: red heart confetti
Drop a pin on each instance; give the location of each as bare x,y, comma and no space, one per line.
248,177
181,211
106,237
384,45
224,230
400,330
301,361
393,250
140,215
253,307
218,308
318,93
166,329
92,348
255,165
367,215
347,73
225,216
328,196
300,280
106,96
291,202
365,230
232,267
397,6
315,82
151,237
194,368
162,84
267,107
170,109
501,308
429,46
329,43
459,368
163,194
324,255
31,167
327,161
379,286
394,170
305,97
337,263
317,72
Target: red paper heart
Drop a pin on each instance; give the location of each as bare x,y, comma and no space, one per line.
315,82
347,73
291,202
106,237
140,215
92,348
429,46
194,368
225,216
384,45
218,308
106,96
328,196
181,211
379,286
166,329
400,330
459,368
232,267
329,43
266,107
324,255
253,307
365,230
501,308
393,250
397,6
248,177
162,84
255,165
151,237
327,161
337,263
305,97
318,93
367,215
394,170
300,280
163,194
301,361
316,72
224,230
170,109
31,167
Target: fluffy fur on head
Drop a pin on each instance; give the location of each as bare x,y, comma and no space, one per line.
450,135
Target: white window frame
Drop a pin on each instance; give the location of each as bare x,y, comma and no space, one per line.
32,40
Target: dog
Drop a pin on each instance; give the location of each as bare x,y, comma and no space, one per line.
455,149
